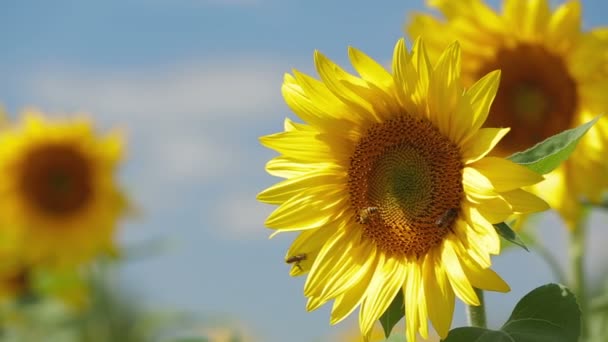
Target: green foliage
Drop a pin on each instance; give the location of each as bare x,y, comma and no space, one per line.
549,313
509,234
597,314
393,314
395,338
111,314
545,156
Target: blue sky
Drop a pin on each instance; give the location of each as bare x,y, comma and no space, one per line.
194,83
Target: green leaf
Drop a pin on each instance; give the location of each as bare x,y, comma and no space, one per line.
550,153
399,337
393,314
553,304
468,334
509,234
547,314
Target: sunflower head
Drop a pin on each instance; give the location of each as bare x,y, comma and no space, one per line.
554,77
390,187
59,201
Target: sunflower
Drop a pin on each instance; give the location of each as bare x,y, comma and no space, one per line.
389,185
59,203
554,77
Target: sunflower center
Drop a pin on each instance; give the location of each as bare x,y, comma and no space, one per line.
537,97
56,179
405,185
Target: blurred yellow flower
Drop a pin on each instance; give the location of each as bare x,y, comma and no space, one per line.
59,203
389,185
554,77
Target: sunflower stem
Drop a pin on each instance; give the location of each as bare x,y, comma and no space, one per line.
577,267
545,253
477,314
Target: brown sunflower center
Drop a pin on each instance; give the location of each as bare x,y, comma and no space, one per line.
537,97
17,282
56,179
405,185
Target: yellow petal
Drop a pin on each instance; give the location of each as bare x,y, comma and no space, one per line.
346,303
423,312
335,251
481,95
401,74
564,26
444,92
313,303
369,69
483,278
458,279
555,190
304,146
439,295
335,78
529,18
481,143
285,167
410,296
504,174
473,242
310,209
476,185
523,202
309,111
461,121
309,243
486,233
387,281
285,190
495,210
359,262
434,32
421,74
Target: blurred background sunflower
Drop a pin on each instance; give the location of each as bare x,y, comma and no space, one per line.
59,200
554,78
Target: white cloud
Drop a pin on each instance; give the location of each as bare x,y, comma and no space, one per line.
190,157
171,114
224,89
242,217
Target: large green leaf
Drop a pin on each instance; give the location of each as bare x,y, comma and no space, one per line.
548,154
547,314
393,314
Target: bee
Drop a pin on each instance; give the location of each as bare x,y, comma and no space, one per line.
296,259
447,218
365,214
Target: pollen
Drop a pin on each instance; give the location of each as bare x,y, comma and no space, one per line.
411,173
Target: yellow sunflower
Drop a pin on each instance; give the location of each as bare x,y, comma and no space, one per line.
59,203
389,185
554,77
